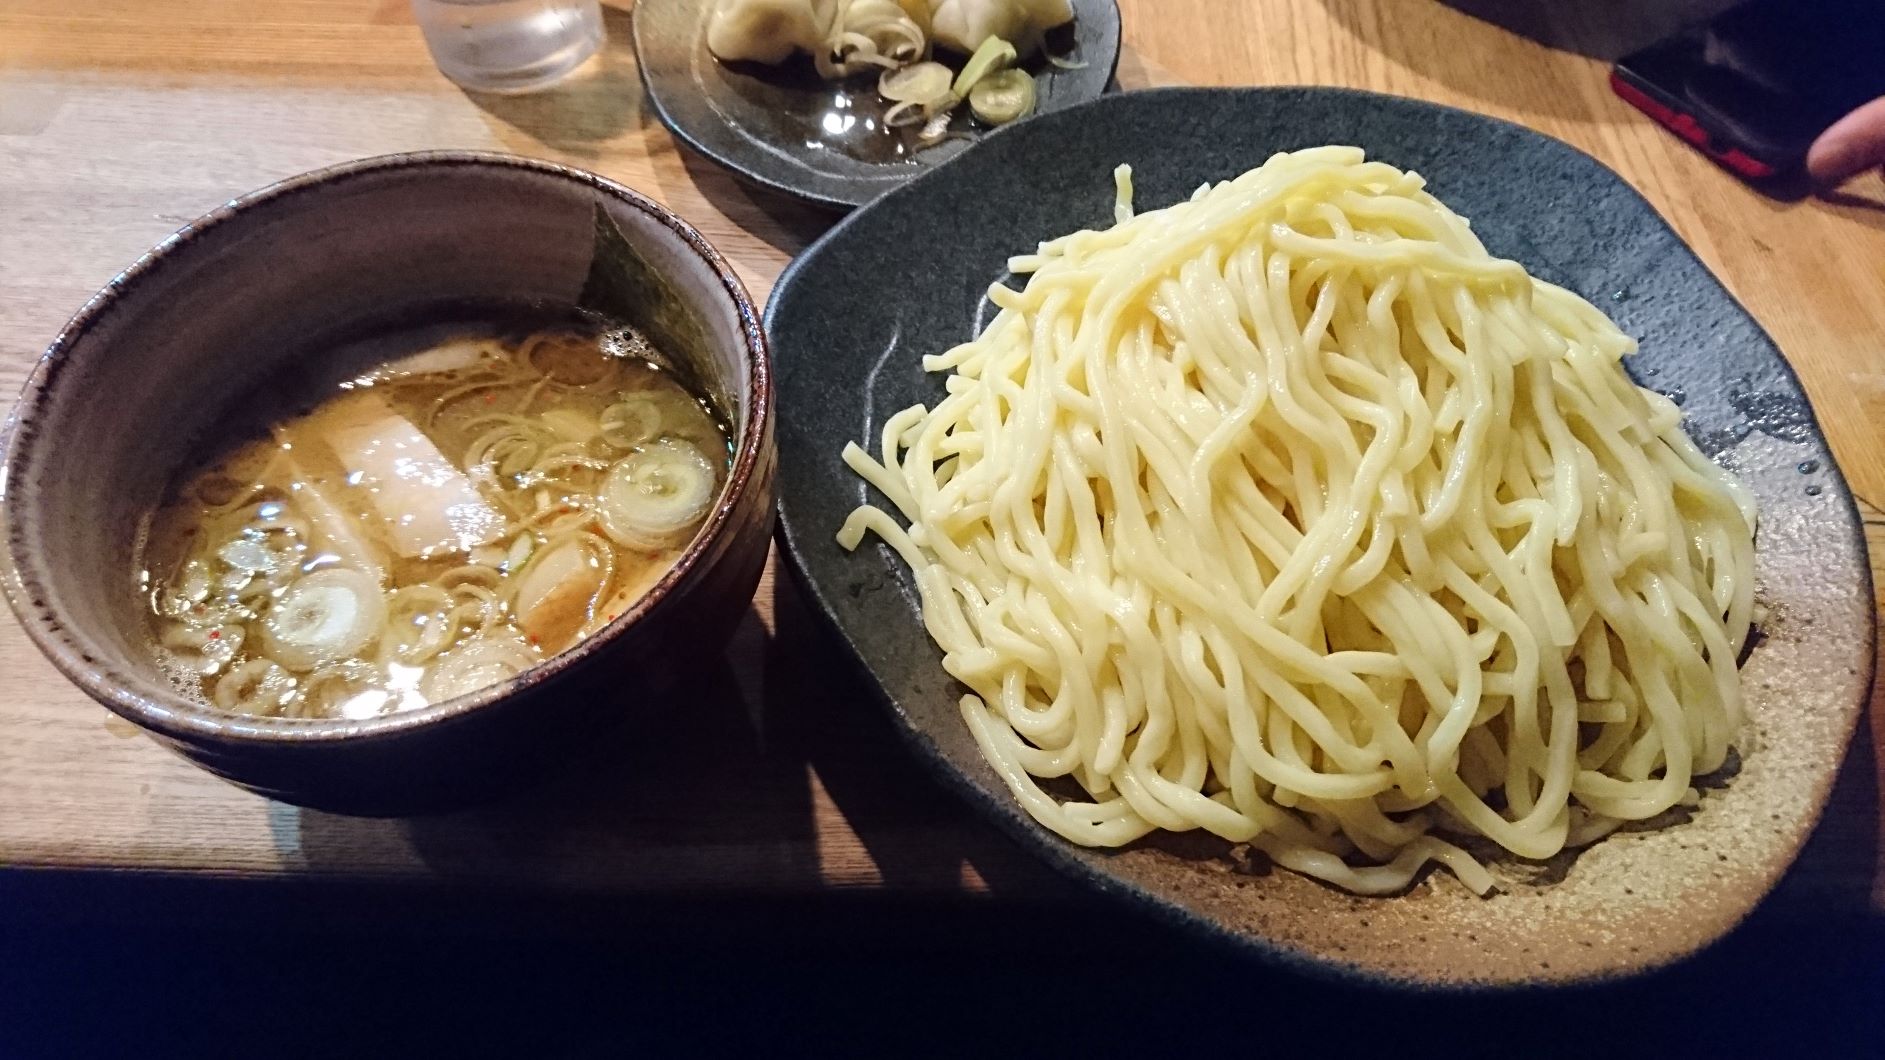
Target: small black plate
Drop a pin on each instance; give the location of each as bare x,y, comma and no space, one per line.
907,276
786,129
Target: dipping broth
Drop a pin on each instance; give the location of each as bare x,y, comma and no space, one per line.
431,528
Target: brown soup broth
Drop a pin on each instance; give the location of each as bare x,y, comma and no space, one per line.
433,526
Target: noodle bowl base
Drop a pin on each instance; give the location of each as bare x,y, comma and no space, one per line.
1631,902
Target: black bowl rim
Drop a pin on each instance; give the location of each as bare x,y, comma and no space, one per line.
685,132
997,810
173,715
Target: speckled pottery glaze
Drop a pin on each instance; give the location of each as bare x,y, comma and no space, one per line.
269,285
854,315
783,129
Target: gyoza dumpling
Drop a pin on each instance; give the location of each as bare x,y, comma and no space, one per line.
769,31
964,24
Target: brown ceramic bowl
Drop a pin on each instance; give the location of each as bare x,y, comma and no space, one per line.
272,285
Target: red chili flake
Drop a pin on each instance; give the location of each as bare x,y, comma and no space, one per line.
215,634
533,638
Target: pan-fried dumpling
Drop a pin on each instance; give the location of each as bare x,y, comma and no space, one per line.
964,24
769,31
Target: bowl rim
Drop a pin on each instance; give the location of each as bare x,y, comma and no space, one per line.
173,714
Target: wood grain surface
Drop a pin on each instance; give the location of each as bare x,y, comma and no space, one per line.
121,120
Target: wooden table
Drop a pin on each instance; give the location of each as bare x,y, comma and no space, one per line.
122,119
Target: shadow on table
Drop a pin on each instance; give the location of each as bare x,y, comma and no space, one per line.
1428,41
685,795
1838,867
918,835
596,103
782,222
710,793
1858,203
99,965
1600,29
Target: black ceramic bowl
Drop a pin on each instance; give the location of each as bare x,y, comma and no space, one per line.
854,315
785,129
140,378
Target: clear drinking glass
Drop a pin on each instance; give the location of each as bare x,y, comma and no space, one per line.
509,45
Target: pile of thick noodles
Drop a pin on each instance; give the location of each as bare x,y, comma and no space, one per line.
1290,514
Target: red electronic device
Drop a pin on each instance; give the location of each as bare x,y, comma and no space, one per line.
1753,87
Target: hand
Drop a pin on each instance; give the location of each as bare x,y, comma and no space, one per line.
1849,146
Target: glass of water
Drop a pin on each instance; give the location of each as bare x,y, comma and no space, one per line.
509,45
